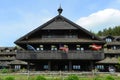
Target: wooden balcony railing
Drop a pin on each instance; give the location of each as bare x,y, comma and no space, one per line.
58,55
109,51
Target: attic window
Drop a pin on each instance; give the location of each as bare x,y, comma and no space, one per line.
108,40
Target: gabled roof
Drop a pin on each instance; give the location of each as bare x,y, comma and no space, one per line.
58,23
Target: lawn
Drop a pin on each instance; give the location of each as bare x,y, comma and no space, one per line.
34,77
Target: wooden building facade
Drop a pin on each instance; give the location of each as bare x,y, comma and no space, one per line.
60,44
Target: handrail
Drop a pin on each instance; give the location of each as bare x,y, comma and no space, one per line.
59,51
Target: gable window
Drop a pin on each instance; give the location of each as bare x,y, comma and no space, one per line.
108,40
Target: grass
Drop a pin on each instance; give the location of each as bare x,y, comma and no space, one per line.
33,77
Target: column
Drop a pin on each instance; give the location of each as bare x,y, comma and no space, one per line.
28,66
91,65
49,65
70,65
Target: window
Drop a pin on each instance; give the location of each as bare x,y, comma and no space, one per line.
53,47
17,67
101,67
76,67
78,47
41,48
45,67
82,49
38,49
114,47
108,40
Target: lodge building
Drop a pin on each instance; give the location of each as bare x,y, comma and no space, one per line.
60,44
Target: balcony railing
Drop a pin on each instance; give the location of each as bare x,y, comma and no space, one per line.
109,51
7,58
70,55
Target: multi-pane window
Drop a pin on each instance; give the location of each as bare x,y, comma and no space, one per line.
108,40
76,67
45,67
101,67
17,67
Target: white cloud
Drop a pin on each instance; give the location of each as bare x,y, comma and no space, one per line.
100,20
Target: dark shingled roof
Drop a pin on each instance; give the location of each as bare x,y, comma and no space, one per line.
5,64
64,40
58,23
15,62
109,61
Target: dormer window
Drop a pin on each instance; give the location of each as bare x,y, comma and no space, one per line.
108,40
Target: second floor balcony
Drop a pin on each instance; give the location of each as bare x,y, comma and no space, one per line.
60,55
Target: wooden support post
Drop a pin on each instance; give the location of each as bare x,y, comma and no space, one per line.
70,66
28,68
49,65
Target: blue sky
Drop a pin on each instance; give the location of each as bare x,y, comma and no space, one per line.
18,17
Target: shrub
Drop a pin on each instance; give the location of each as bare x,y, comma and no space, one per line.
97,78
4,70
1,78
109,78
57,78
9,78
40,78
72,77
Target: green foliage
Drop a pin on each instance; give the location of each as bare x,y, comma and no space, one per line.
72,77
9,78
110,31
109,78
4,70
57,78
97,78
1,78
40,78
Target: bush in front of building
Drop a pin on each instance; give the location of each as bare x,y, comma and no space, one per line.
109,78
9,78
1,78
4,70
40,78
58,78
72,77
97,78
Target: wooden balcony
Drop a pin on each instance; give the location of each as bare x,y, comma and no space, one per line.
60,55
111,51
7,58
